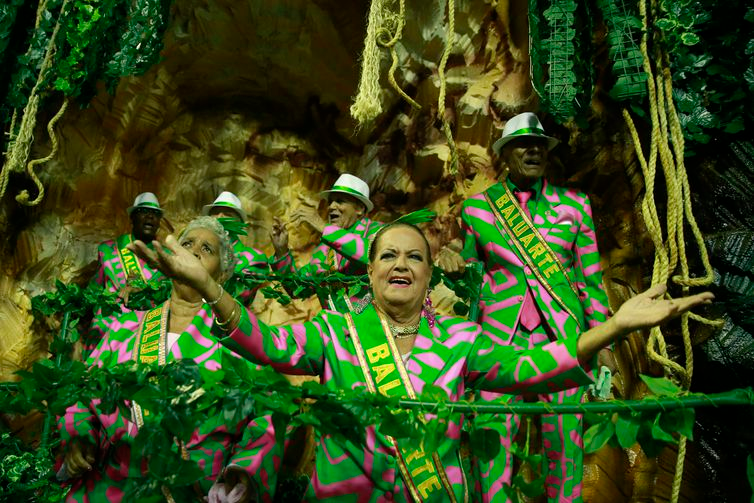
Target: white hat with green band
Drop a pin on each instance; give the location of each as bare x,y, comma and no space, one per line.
226,200
353,186
145,200
525,124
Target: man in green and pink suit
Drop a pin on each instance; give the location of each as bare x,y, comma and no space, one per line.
116,265
542,282
250,261
98,446
345,237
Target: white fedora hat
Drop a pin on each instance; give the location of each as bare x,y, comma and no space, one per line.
525,124
226,200
353,186
145,200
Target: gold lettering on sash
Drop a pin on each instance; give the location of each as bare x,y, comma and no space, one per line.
153,314
383,371
507,213
545,260
553,268
149,347
148,359
527,239
502,200
428,467
150,327
377,353
537,250
429,485
388,386
519,228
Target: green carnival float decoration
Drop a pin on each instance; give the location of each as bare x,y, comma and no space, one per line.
57,52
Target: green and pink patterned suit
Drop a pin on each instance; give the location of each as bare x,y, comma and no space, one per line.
453,355
250,262
564,218
250,444
110,272
341,250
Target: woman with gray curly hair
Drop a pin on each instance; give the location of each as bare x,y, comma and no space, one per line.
179,328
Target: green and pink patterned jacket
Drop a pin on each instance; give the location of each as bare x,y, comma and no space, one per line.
110,272
453,355
564,218
250,445
341,250
250,262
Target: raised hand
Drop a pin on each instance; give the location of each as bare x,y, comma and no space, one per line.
309,216
279,236
450,261
173,261
649,308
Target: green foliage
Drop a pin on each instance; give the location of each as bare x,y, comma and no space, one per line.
98,40
25,473
233,226
653,430
624,28
714,80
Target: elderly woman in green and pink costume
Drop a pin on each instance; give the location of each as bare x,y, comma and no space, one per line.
542,283
394,345
98,460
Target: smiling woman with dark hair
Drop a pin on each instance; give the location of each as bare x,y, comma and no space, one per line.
394,345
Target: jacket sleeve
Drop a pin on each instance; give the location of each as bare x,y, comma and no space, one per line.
470,252
588,272
293,349
351,244
507,369
259,455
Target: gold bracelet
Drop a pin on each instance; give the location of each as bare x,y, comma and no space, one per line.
224,326
213,302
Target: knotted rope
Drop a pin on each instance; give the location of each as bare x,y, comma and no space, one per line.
20,144
669,254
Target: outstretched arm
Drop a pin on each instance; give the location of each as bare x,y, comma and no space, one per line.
646,310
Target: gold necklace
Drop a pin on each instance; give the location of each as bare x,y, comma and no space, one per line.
404,332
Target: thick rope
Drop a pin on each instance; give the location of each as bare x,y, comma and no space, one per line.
449,41
18,152
669,255
23,197
384,29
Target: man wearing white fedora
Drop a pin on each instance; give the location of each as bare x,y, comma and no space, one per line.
250,261
345,236
117,266
542,282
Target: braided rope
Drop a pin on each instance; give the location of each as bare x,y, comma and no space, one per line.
384,29
450,40
23,197
672,253
18,152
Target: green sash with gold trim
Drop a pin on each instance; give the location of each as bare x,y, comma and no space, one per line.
529,244
385,373
150,346
129,261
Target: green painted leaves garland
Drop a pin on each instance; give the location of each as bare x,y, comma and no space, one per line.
99,40
710,44
652,430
